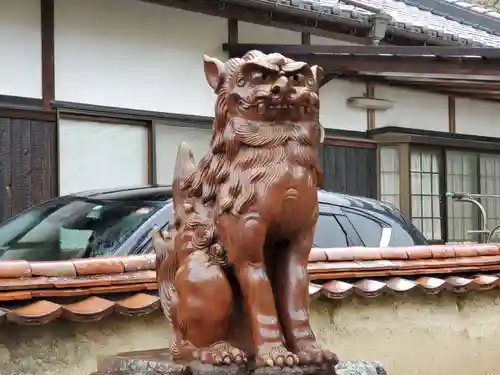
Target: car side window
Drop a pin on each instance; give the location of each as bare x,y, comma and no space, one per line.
400,236
329,233
368,229
144,244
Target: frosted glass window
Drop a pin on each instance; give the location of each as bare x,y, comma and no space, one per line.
389,175
461,177
100,156
168,139
425,194
490,184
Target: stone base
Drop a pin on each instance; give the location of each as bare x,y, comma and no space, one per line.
159,362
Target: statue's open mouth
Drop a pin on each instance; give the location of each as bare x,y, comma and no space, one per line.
263,108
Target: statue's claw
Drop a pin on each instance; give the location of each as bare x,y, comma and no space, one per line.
221,353
276,356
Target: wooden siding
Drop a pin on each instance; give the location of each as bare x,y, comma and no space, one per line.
28,164
350,170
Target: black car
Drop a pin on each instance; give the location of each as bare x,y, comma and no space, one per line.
119,222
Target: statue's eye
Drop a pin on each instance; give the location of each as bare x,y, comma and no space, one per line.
298,79
258,78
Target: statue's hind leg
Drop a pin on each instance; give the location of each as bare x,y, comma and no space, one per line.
203,312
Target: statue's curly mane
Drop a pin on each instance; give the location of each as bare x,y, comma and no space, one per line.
236,146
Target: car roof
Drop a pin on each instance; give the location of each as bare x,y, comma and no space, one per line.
146,192
164,193
352,201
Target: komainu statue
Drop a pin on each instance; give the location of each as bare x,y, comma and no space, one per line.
232,265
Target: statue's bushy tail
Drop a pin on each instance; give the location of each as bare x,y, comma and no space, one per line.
164,243
166,268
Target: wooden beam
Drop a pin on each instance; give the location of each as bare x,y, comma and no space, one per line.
404,179
452,126
409,51
33,114
232,31
380,80
472,91
377,59
48,76
151,159
370,113
451,84
381,64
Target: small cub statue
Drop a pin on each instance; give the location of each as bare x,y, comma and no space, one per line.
232,263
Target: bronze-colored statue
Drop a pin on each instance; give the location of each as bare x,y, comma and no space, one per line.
232,266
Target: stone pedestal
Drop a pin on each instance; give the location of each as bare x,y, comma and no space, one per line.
159,362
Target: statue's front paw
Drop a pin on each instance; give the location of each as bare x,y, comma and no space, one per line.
313,353
275,355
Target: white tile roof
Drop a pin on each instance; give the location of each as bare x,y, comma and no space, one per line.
405,14
475,8
408,16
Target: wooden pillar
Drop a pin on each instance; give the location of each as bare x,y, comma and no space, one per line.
452,126
405,179
232,32
48,76
370,113
306,39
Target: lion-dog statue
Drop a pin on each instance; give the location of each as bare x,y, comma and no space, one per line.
232,263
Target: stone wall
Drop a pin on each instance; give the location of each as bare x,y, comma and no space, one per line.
449,334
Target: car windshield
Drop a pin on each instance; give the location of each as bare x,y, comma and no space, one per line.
72,227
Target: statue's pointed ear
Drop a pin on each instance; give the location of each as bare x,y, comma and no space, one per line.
317,73
214,72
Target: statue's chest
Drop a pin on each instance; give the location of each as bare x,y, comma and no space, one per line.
288,181
292,192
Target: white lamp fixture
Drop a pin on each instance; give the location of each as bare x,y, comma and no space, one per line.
322,133
370,103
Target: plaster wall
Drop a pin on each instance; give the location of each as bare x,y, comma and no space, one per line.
251,33
412,335
21,46
335,113
132,54
412,109
320,40
477,117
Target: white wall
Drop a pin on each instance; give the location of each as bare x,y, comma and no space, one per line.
334,111
320,40
21,48
477,117
131,54
413,109
251,33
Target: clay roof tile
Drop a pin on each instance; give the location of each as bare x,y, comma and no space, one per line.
14,268
61,268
